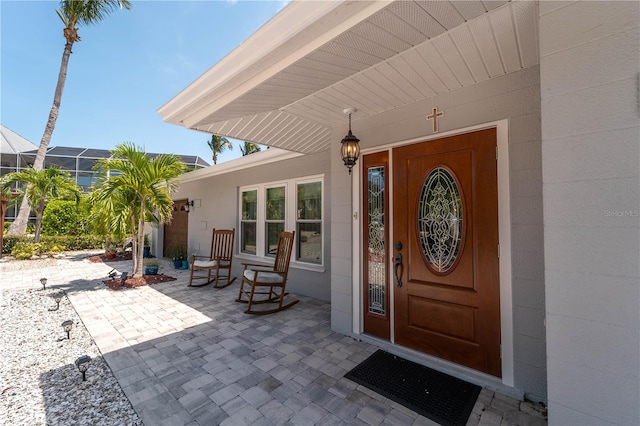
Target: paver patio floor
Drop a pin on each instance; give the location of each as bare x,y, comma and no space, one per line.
191,356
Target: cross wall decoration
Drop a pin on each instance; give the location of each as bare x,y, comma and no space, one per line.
435,114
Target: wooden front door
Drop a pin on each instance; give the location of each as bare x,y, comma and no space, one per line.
445,248
176,232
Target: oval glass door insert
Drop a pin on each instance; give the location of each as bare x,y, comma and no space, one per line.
440,223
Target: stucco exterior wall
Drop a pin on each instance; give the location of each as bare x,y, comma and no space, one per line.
590,65
515,97
216,206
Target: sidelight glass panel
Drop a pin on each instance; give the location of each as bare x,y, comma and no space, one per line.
440,220
376,250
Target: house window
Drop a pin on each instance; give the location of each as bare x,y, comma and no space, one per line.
275,218
309,221
248,221
268,209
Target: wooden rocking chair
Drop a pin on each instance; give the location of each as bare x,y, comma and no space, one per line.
220,259
263,284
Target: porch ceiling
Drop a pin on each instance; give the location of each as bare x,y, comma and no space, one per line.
287,85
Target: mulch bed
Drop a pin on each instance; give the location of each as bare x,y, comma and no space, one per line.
103,257
116,284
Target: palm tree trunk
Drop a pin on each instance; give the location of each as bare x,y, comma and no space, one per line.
38,226
134,246
139,270
19,225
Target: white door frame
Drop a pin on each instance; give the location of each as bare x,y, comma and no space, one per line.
504,230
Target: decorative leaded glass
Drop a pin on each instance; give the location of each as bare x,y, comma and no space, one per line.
440,220
376,249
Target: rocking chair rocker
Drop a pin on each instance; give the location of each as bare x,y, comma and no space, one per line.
220,258
262,284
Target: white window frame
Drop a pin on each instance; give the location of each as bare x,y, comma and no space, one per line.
240,220
290,222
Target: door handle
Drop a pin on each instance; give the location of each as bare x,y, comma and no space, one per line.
398,269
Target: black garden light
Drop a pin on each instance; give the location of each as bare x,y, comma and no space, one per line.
67,325
57,297
83,364
43,281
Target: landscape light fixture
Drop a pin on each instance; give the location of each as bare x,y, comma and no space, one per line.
57,297
83,364
350,150
67,327
186,207
43,281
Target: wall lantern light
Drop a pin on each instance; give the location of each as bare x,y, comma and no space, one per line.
186,207
350,150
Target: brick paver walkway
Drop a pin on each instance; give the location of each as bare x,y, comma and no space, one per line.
191,356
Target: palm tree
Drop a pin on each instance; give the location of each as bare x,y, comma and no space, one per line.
72,13
42,186
218,144
249,148
139,190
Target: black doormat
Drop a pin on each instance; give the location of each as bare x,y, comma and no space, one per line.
435,395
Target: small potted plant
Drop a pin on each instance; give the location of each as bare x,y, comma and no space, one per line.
151,267
110,249
177,254
147,247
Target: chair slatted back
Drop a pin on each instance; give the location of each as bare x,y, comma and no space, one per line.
222,244
283,255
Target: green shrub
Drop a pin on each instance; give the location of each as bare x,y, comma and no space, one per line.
62,217
55,243
9,242
24,250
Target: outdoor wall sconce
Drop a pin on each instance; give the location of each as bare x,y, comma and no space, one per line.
350,150
186,207
67,325
43,281
83,364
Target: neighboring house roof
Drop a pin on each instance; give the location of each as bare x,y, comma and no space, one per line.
13,143
287,85
65,151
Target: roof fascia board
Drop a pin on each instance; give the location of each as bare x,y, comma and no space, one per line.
248,161
301,28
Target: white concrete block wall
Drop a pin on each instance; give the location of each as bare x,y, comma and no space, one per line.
341,244
216,206
589,71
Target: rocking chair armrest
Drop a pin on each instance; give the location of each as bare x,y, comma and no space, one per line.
193,256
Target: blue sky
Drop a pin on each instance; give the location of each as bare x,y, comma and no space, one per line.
122,71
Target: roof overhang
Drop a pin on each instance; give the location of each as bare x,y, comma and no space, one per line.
287,85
